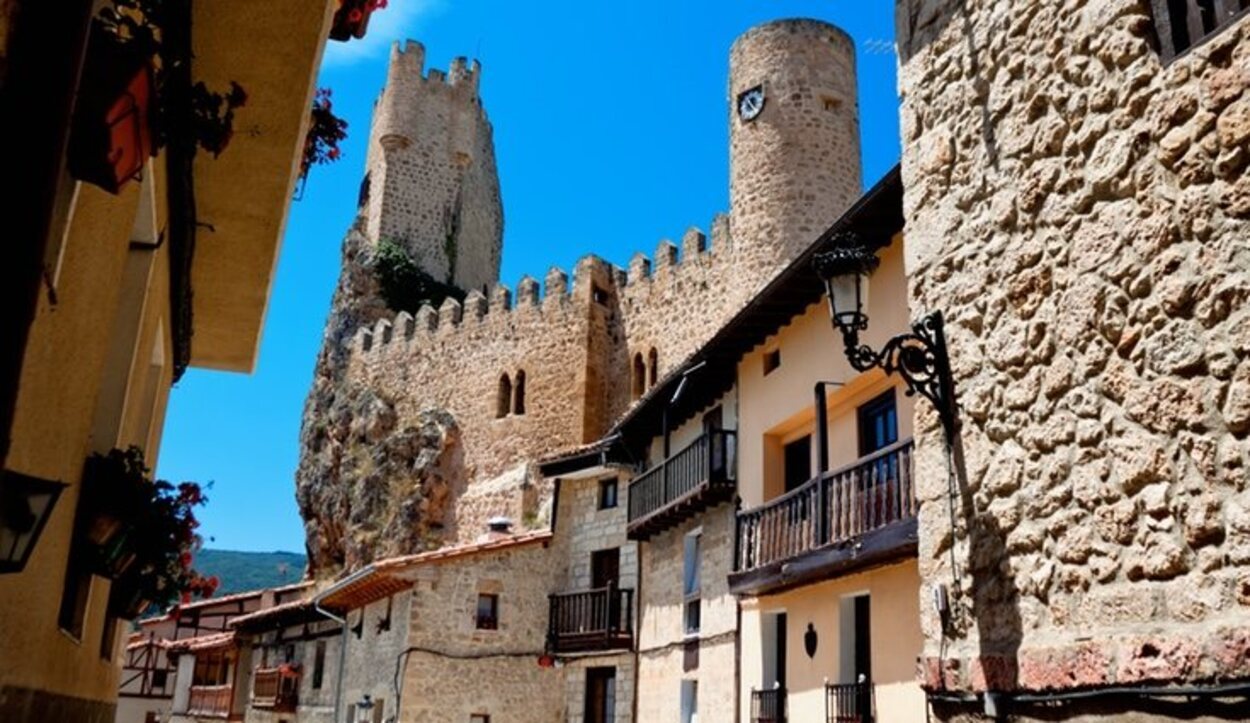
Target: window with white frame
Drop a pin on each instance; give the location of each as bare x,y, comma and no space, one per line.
689,701
691,583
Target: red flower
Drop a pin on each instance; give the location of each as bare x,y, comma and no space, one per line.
355,16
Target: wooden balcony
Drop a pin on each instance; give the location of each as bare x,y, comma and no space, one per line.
275,689
597,619
848,519
849,703
696,477
768,706
210,701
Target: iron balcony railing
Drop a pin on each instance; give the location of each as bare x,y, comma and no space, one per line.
596,619
210,701
768,706
706,463
849,702
875,491
275,688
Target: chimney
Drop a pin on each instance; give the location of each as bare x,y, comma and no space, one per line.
498,527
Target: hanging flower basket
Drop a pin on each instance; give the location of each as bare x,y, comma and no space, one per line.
351,20
111,136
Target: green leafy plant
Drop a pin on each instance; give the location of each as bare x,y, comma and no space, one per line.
143,532
403,285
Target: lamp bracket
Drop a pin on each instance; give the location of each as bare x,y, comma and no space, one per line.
919,357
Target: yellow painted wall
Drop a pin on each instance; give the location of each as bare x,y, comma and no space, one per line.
79,346
777,408
895,635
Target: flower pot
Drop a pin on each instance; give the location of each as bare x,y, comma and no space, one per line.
111,136
351,20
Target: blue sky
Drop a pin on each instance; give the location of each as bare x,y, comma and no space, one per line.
610,134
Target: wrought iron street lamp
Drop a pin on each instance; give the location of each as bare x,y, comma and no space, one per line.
919,357
25,505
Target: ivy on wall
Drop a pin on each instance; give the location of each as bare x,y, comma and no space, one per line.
403,285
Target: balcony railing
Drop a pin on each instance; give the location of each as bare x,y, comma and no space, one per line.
275,689
768,706
597,619
840,505
849,703
210,700
695,477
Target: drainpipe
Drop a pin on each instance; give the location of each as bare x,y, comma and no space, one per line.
338,686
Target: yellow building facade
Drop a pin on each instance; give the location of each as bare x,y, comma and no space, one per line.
130,287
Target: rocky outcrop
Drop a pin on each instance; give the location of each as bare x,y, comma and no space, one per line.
368,485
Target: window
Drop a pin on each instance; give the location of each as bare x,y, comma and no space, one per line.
691,583
689,701
487,611
639,376
319,665
211,668
1182,24
74,596
479,718
772,360
607,493
653,367
108,639
160,678
503,397
878,424
797,457
600,695
598,295
518,394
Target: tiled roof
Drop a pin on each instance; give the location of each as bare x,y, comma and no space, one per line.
203,642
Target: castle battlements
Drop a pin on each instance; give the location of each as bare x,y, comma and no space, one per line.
407,67
592,277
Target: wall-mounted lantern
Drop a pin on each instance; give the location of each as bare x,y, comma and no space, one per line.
810,640
919,357
26,503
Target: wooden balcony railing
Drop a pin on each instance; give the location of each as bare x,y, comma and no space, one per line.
849,702
275,689
696,476
210,700
873,492
597,619
768,706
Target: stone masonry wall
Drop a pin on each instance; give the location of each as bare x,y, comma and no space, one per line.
1079,209
662,642
456,670
431,177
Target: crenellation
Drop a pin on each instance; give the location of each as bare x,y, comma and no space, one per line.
382,331
437,76
693,243
665,256
527,292
500,298
721,241
427,318
407,325
639,268
450,314
475,305
590,272
556,285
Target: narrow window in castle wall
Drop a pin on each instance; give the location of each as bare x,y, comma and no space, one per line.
518,393
653,362
504,397
640,376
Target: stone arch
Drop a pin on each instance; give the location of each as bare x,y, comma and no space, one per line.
653,367
503,398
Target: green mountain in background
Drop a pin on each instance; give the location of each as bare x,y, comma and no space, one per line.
240,571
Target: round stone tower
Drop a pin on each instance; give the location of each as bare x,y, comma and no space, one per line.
794,163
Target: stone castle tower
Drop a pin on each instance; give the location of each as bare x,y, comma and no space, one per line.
430,181
423,423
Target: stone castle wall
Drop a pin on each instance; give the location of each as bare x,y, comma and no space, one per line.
431,181
1079,210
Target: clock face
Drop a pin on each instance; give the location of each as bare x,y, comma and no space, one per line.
750,103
